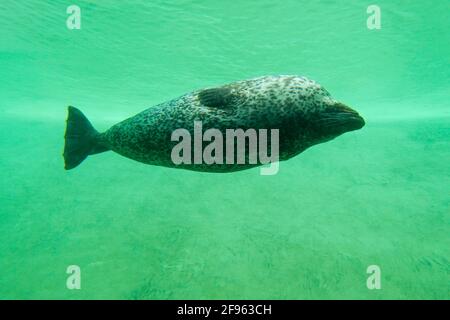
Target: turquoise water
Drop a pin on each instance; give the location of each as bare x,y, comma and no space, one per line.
377,196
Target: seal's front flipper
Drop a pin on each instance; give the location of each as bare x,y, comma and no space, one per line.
81,139
216,97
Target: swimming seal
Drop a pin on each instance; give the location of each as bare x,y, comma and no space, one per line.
302,110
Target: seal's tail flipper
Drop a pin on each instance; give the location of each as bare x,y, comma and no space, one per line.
81,139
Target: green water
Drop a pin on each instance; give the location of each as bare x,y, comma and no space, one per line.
377,196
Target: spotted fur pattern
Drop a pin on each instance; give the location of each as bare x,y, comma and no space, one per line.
288,103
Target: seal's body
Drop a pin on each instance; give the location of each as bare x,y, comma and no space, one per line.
302,110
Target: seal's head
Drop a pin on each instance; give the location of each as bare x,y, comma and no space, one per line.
324,117
301,107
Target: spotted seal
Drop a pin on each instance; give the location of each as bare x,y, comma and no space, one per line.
302,110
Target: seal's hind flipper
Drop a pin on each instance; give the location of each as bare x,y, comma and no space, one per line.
81,139
216,97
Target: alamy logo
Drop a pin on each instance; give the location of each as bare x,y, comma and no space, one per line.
374,20
74,20
74,280
235,147
374,280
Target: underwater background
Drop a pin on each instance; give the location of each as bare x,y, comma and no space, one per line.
376,196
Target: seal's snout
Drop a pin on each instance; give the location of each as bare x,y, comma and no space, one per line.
339,118
351,118
359,122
